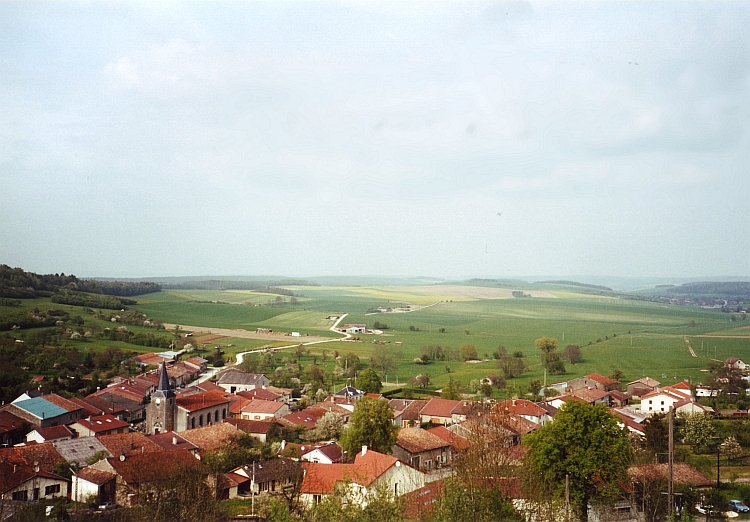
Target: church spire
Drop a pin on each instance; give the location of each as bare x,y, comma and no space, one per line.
163,385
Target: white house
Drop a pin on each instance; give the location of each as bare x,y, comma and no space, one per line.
370,471
661,400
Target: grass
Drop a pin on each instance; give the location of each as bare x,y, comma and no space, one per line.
638,338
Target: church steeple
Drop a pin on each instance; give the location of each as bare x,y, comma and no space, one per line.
163,385
162,410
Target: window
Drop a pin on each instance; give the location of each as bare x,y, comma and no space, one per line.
316,499
224,413
50,490
21,495
192,422
395,489
662,403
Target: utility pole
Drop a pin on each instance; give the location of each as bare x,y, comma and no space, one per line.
567,497
671,463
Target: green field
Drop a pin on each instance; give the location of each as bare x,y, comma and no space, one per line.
638,338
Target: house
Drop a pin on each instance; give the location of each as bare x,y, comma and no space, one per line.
234,380
200,409
258,409
593,380
138,475
40,412
641,387
22,482
322,452
169,440
12,428
406,411
77,451
661,400
422,449
354,328
90,482
269,477
350,393
457,442
690,407
371,470
100,425
199,363
118,402
261,430
618,399
308,417
524,408
131,443
212,437
735,364
445,411
44,456
684,474
261,393
626,420
51,434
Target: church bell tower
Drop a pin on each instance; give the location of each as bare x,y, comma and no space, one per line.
161,411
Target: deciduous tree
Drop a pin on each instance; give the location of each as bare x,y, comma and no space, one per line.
368,381
585,443
371,425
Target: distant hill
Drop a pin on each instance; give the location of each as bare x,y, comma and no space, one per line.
18,284
573,283
710,288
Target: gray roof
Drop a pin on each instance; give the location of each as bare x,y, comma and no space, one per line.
234,376
76,451
40,408
349,392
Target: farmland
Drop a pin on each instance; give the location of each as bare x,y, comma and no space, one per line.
637,338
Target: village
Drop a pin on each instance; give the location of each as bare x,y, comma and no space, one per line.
114,447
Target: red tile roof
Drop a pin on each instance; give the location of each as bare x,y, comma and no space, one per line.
201,401
457,442
683,473
95,476
308,417
212,437
55,433
64,403
132,443
322,478
169,440
520,407
252,426
45,455
102,423
417,440
437,407
16,473
601,379
139,469
260,393
88,409
590,395
261,406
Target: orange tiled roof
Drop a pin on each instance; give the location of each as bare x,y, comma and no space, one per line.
322,478
212,437
437,407
520,407
417,440
601,379
102,423
131,443
201,401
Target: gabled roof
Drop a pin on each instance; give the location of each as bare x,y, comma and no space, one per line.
646,381
417,440
601,379
102,423
169,440
261,406
64,403
629,422
408,409
260,393
132,443
44,454
95,476
520,407
278,469
349,392
138,469
200,401
322,478
308,417
55,432
212,437
15,473
87,409
456,441
590,395
683,473
235,376
10,422
437,407
40,408
669,392
77,451
254,427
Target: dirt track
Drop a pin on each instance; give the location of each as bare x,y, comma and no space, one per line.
246,334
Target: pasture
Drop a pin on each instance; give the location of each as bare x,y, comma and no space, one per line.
637,338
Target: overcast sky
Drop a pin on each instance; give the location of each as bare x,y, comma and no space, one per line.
444,139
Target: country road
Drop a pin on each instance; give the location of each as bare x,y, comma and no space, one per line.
240,356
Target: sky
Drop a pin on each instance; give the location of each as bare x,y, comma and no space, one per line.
443,139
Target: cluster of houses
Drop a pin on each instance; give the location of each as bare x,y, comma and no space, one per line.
140,430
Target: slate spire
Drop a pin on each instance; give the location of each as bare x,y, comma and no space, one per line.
163,385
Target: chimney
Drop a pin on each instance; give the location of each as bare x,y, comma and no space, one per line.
364,450
514,402
283,445
174,441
